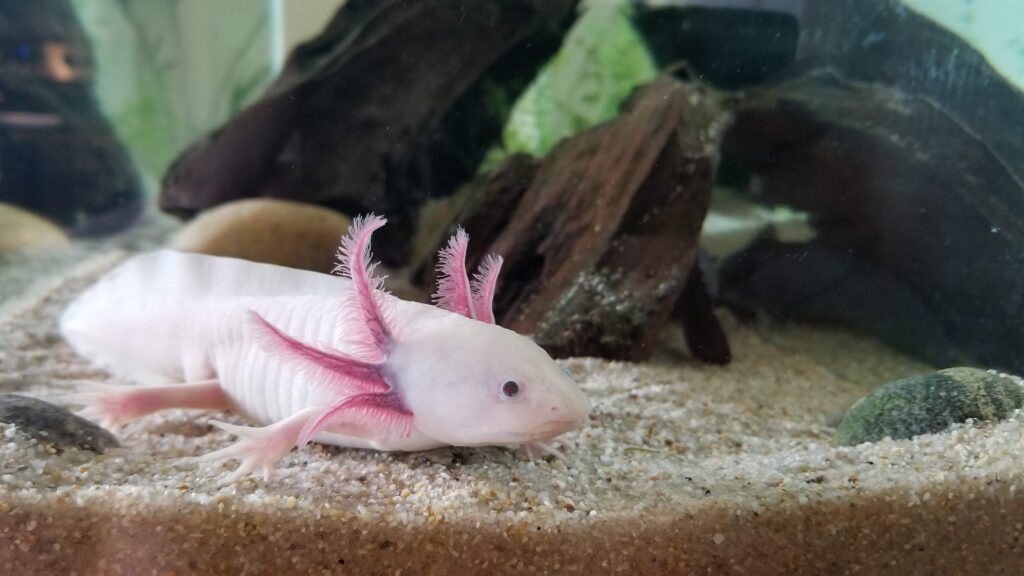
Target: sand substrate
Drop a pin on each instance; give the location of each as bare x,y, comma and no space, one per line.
682,469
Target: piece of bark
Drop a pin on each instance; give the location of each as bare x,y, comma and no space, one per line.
695,310
599,246
392,103
482,207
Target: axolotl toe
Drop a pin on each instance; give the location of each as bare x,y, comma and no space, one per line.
318,357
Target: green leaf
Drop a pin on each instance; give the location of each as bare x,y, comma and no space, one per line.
601,61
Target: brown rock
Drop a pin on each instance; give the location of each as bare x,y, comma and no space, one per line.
278,232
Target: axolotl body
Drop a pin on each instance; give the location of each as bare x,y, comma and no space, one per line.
318,357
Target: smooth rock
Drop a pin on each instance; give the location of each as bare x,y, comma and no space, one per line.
281,232
21,230
53,424
930,403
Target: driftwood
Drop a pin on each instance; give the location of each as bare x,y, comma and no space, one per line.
919,222
59,155
600,237
902,143
392,103
695,310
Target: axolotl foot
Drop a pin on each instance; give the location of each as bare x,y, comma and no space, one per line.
530,447
259,447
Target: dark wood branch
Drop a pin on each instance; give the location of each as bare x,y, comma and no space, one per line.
599,245
382,110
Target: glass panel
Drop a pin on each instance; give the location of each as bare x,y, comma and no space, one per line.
511,286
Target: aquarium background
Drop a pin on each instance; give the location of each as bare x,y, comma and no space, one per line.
847,137
786,270
168,71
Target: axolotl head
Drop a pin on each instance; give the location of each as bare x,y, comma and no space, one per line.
469,383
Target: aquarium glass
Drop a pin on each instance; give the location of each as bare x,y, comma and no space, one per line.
511,286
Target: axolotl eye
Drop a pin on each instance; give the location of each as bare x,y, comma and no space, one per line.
510,389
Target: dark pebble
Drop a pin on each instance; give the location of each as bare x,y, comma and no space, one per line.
54,425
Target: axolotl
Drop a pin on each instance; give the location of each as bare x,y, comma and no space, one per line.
317,357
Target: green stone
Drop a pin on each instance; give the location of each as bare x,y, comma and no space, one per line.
928,404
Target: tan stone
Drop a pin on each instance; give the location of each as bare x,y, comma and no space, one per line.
281,232
267,230
21,229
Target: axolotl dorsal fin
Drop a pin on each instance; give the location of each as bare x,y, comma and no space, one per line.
455,291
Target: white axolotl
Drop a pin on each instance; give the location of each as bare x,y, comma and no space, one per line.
317,357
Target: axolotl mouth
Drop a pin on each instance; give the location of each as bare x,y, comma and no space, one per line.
547,433
549,430
538,438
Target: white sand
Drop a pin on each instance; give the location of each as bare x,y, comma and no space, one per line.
682,469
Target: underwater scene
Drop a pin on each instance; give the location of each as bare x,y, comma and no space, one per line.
511,287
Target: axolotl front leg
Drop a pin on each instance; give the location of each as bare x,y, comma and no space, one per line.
366,405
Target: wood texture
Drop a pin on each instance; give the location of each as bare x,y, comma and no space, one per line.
392,103
599,241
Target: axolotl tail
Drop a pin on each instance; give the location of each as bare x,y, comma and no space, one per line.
132,320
